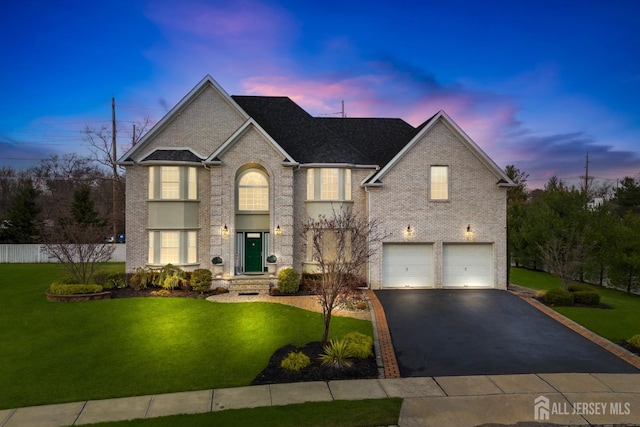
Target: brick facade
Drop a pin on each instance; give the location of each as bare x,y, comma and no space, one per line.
207,118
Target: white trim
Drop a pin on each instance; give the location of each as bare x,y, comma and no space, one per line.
338,165
160,125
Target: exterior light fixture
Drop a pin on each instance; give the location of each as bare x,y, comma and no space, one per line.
408,232
225,231
278,230
469,233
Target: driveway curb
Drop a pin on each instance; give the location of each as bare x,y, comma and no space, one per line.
388,354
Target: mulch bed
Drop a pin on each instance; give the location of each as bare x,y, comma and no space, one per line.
274,374
624,344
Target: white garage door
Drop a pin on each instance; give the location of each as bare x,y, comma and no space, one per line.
468,265
407,265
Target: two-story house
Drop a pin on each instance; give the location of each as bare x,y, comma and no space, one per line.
235,177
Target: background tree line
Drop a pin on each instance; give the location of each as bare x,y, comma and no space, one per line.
587,234
38,200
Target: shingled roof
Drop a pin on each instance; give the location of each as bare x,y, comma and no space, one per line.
172,156
327,140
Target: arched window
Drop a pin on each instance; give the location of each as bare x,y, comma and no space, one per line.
253,191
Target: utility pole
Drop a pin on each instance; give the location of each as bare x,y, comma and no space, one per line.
115,171
343,115
586,176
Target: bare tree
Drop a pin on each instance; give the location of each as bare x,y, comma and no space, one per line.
78,241
81,249
342,244
104,152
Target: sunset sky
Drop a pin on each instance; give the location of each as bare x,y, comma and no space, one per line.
536,83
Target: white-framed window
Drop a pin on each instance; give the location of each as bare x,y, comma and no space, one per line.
331,184
169,247
253,191
310,184
439,188
173,247
192,184
173,183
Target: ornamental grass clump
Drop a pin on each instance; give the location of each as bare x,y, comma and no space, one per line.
336,354
361,345
635,341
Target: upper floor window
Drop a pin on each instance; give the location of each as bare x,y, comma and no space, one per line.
173,183
439,183
328,184
253,191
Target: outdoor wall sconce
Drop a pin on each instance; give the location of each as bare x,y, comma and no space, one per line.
469,233
408,232
225,231
278,230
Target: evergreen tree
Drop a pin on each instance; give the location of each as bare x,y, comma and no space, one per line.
83,209
22,223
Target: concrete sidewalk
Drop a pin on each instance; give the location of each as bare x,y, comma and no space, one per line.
571,399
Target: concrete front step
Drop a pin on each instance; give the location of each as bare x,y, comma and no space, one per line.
244,287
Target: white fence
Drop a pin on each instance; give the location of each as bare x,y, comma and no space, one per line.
37,253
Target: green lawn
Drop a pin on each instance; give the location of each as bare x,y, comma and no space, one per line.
61,352
338,413
619,323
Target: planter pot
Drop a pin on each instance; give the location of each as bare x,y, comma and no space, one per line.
272,268
79,297
218,269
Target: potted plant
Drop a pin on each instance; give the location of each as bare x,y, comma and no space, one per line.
218,266
271,264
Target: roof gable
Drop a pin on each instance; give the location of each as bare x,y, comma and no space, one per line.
206,82
251,123
423,129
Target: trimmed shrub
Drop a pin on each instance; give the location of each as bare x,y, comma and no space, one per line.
216,260
221,290
336,354
558,297
361,345
288,281
114,280
73,289
577,287
295,361
635,341
272,258
586,298
201,280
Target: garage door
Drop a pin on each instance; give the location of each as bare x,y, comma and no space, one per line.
407,265
468,265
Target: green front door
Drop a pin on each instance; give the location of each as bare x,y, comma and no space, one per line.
253,252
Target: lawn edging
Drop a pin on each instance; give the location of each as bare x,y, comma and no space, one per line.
613,348
79,297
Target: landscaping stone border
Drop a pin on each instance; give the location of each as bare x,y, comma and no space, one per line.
79,297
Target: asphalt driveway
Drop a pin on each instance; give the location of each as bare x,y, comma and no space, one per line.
473,332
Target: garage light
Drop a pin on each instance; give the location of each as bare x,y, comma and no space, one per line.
408,233
278,230
469,233
225,231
